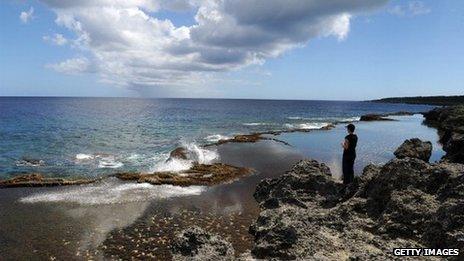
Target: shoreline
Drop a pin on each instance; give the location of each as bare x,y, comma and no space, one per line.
34,179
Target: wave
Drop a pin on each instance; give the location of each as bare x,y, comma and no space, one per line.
216,138
350,119
255,123
307,126
109,162
82,156
29,163
112,192
194,153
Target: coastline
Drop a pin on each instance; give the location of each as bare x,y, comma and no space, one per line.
213,208
189,176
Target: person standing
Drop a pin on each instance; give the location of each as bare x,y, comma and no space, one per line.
349,154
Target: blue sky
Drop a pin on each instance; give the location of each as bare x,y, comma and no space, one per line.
195,49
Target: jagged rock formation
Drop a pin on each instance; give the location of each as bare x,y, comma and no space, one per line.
196,244
405,203
450,124
198,174
414,148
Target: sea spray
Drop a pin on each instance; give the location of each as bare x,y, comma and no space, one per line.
194,153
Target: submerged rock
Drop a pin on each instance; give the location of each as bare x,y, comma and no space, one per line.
38,180
415,148
198,174
196,244
404,203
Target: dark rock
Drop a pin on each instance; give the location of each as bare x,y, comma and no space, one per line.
196,244
450,124
408,202
198,174
374,117
178,153
415,148
38,180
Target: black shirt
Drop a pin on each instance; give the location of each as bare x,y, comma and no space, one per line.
351,150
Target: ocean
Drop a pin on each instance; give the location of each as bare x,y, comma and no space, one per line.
98,136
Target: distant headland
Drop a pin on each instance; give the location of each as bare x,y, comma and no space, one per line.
429,100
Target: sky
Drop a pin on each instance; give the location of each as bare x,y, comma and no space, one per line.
261,49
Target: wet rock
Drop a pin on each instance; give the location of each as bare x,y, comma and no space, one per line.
414,148
407,202
196,244
450,124
384,117
178,153
38,180
198,174
374,117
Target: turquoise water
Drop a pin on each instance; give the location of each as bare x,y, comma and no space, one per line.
98,136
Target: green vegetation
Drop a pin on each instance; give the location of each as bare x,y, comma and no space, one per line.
429,100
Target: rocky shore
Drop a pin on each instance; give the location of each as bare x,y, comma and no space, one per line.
306,215
449,122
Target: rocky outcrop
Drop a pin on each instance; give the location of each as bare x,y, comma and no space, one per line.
38,180
374,117
408,202
198,174
384,117
414,148
450,124
249,138
196,244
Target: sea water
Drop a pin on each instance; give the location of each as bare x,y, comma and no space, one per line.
99,136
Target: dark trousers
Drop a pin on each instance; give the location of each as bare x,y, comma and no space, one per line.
348,171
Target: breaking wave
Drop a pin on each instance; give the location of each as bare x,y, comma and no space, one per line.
216,137
194,153
307,126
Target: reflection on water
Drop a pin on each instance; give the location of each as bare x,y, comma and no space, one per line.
118,219
376,144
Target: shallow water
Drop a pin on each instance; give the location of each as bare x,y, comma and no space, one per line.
117,219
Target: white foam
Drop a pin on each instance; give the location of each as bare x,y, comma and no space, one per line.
109,162
82,156
194,153
112,192
351,119
295,118
255,123
216,137
307,126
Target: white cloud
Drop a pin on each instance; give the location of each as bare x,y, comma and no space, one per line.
411,8
57,39
72,66
26,16
418,8
128,45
